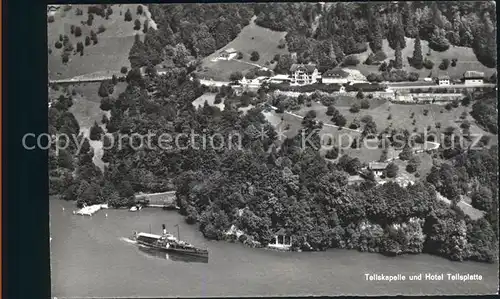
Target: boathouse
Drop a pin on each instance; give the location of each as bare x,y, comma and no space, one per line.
473,78
156,199
377,167
282,240
228,54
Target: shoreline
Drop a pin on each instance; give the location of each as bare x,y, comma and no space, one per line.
231,238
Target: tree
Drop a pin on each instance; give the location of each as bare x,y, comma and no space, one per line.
139,9
360,95
392,170
79,47
493,78
78,31
90,19
181,56
101,29
484,112
398,60
109,11
396,34
218,98
254,56
428,64
413,164
383,155
355,124
87,41
128,16
454,62
137,24
413,76
284,63
339,120
236,76
482,199
484,44
105,119
106,88
465,101
365,104
145,27
332,154
417,60
123,70
383,67
355,108
438,41
465,124
90,195
366,118
369,129
282,44
95,132
376,37
436,16
350,60
65,57
406,154
106,103
444,64
331,110
93,37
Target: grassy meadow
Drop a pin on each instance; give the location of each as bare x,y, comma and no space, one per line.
467,60
251,38
107,56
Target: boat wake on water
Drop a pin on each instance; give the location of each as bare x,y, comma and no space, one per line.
128,240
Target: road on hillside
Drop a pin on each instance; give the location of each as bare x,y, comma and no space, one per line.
457,86
324,124
213,83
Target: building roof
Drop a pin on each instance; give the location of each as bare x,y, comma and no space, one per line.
473,75
149,235
309,68
163,67
280,77
335,73
444,77
377,165
230,50
281,232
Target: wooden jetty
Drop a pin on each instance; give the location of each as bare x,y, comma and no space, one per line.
157,200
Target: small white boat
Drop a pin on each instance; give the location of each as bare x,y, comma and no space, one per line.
135,208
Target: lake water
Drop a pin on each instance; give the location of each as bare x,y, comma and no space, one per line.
92,256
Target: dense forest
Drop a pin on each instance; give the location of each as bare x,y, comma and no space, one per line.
324,34
189,31
262,188
266,186
350,27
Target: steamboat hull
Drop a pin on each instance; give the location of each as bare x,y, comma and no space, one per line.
195,252
152,241
199,252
